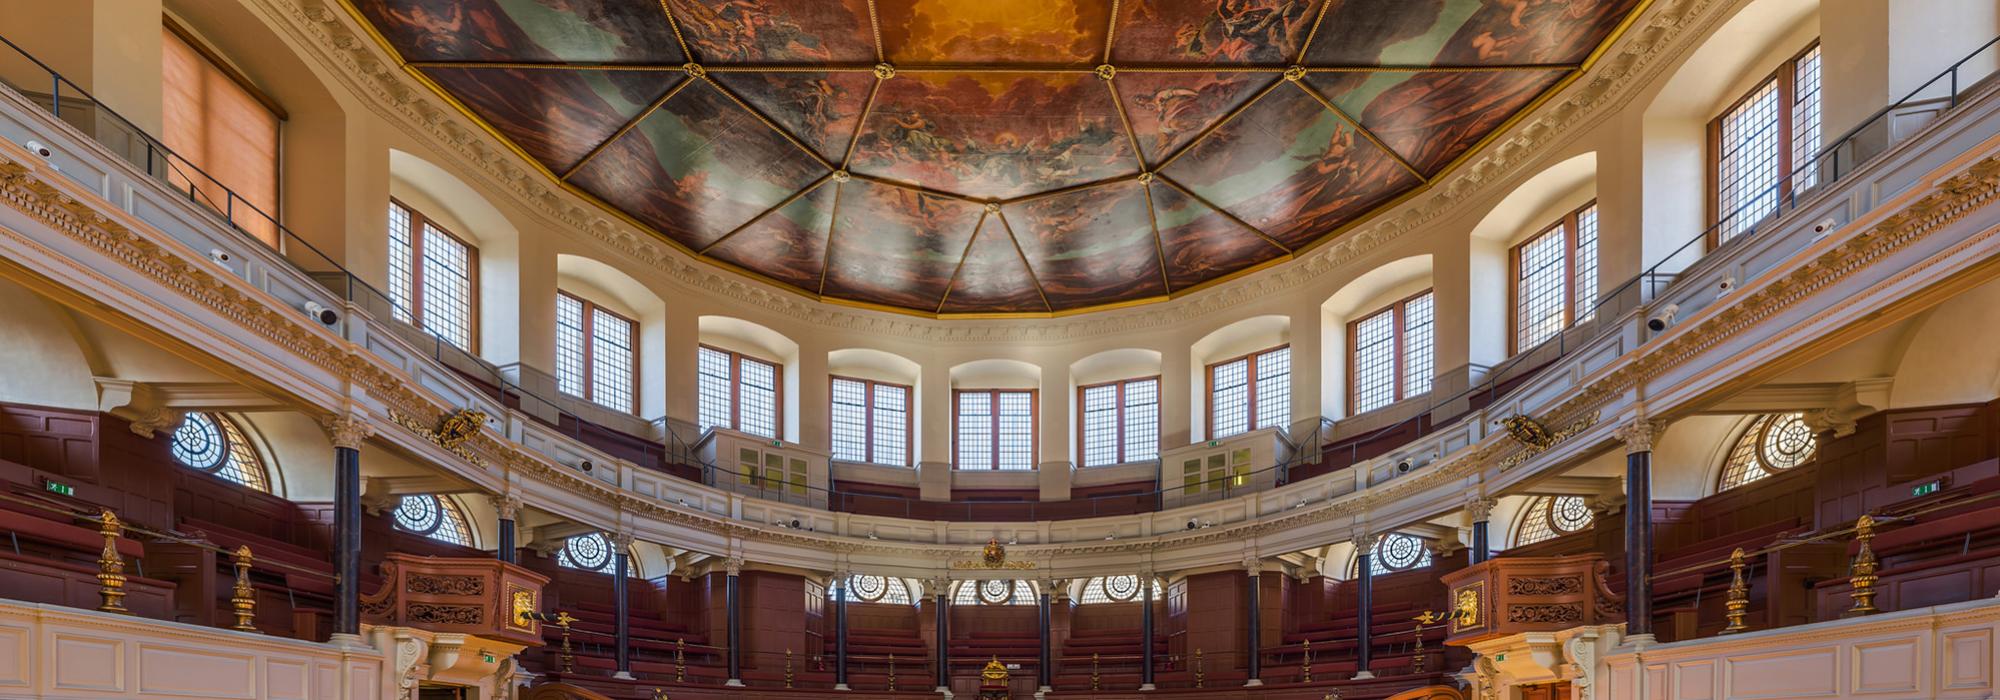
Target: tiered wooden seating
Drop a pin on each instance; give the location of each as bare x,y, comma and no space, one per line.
53,559
1119,657
1704,532
1948,552
874,632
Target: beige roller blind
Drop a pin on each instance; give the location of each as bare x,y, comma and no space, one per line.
224,130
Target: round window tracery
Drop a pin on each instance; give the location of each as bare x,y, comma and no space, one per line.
1787,442
590,552
1121,588
199,444
419,514
1400,552
868,589
1568,514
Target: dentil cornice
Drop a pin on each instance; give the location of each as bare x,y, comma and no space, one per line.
1665,28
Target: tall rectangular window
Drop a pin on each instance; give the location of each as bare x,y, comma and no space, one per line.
1762,149
1120,421
224,130
738,392
1251,392
1390,357
597,353
1554,283
432,274
995,429
871,421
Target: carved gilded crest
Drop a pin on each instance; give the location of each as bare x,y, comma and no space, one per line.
995,555
1465,608
459,426
1528,431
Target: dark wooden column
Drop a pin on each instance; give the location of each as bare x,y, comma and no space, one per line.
621,573
1146,630
732,604
1364,593
840,630
1043,674
1254,643
507,508
943,586
1638,437
1481,510
347,433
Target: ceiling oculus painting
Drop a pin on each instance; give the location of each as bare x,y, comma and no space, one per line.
994,156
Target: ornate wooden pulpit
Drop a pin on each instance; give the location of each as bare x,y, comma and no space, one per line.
993,680
1512,595
481,597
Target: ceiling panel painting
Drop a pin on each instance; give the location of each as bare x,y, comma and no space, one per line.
1286,121
753,31
589,106
995,135
525,31
1118,262
1291,168
895,246
697,167
789,243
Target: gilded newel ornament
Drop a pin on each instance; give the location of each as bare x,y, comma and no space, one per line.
346,431
1639,434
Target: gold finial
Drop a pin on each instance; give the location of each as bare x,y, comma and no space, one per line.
788,668
1199,667
1093,671
111,564
1306,662
694,70
680,660
1106,71
842,175
1739,594
1861,575
243,598
884,71
1295,73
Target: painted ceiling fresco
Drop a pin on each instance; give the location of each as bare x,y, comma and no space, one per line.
994,156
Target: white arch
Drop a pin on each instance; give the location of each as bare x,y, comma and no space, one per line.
750,338
1370,292
883,366
1244,336
463,211
611,288
996,374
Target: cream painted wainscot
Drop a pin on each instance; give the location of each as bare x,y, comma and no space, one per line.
1939,652
1910,226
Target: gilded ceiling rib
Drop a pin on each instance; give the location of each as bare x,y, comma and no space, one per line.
1306,45
1070,189
1224,212
1037,279
803,148
1217,124
826,256
808,189
1365,132
1110,30
867,108
626,127
676,26
964,253
1143,68
1131,137
875,25
1159,245
520,65
1499,68
788,68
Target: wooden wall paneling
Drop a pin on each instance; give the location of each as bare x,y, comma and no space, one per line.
1926,441
53,440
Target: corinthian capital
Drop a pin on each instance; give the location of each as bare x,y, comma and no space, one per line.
505,505
1639,434
1480,508
347,431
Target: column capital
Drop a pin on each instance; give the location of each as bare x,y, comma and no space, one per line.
1480,508
1253,565
621,542
733,566
937,585
507,506
347,431
1639,434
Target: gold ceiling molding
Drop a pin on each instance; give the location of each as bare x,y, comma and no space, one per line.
1607,80
27,188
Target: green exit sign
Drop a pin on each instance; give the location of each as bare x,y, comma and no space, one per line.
777,443
1925,489
58,487
1215,443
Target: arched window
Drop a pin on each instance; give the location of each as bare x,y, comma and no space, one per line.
1771,444
1393,553
994,592
436,517
1115,589
590,552
1549,517
879,589
211,443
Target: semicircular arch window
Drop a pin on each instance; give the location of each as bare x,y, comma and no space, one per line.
1395,552
590,552
213,444
993,592
434,516
1549,517
879,589
1114,589
1772,443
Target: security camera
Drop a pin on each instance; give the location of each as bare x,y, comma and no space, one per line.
38,149
1727,285
1823,227
1404,465
795,523
1662,318
1193,523
220,256
585,465
324,315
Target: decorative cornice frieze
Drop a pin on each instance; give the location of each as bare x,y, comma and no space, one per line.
1664,28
